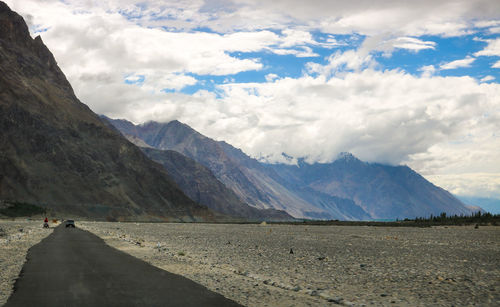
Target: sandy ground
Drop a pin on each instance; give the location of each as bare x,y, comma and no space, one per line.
352,266
16,237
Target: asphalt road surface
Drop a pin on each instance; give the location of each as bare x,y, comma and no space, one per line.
73,267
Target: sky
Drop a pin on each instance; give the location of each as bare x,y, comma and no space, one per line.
397,82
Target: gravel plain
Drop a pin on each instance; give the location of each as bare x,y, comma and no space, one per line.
293,265
16,237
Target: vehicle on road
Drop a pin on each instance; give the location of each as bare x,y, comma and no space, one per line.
70,223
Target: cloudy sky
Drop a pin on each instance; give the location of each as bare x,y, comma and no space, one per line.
397,82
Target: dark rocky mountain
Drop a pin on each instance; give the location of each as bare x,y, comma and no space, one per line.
344,189
253,182
56,152
198,182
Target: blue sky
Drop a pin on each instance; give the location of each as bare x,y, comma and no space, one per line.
443,50
397,82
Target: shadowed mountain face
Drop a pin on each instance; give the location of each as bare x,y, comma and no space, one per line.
384,191
344,189
55,151
198,182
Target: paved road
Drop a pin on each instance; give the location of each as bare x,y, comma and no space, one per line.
73,267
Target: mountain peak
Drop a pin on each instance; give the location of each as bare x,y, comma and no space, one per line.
12,26
176,123
347,157
15,37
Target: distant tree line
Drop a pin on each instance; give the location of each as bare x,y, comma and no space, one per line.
476,219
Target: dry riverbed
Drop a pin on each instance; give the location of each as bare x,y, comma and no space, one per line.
283,265
16,237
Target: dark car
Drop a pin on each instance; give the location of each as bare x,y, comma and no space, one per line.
70,223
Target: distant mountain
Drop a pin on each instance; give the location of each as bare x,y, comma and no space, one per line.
56,152
381,190
198,182
491,205
253,182
347,188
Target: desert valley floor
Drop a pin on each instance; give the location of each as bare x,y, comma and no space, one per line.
285,265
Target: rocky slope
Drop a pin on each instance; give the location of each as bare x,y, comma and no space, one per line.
197,182
56,152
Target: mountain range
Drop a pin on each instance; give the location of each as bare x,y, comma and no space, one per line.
345,189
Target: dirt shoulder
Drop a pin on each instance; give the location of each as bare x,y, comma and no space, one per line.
16,237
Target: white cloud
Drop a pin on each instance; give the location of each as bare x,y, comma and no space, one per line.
412,43
380,116
487,78
402,18
458,63
485,184
158,82
487,23
494,30
351,60
427,71
496,64
304,52
492,49
271,77
296,37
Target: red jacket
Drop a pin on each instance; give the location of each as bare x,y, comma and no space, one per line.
46,220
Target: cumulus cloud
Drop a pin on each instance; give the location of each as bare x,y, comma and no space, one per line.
496,64
379,116
458,63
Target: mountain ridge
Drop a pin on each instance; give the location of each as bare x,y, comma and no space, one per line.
346,188
254,186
